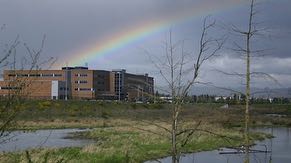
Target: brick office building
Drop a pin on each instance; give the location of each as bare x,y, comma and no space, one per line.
77,83
133,87
41,84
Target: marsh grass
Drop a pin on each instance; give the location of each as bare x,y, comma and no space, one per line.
90,114
117,128
125,142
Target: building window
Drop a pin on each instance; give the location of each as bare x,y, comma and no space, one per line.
83,81
47,75
83,75
63,88
85,89
9,88
23,75
34,75
100,82
58,75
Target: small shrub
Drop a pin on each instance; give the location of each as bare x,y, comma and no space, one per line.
105,114
133,105
44,105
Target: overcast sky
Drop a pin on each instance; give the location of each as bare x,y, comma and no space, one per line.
75,25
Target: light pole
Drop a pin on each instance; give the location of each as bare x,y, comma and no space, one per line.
119,89
138,92
66,89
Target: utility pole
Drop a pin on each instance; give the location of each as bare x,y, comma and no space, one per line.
119,88
138,92
66,76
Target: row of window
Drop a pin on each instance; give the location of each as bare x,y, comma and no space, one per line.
88,89
9,88
43,75
35,75
83,89
85,81
63,88
81,75
81,81
101,76
100,82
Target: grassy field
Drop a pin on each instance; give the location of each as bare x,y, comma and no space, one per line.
127,132
91,114
129,142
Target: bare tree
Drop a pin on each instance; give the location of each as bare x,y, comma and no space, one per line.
7,114
181,70
17,87
247,50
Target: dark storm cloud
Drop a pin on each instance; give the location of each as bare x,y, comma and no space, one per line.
275,15
74,24
272,16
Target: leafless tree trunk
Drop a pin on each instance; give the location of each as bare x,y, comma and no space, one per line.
248,78
13,102
180,71
248,52
248,34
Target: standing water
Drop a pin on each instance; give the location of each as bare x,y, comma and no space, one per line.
279,147
20,140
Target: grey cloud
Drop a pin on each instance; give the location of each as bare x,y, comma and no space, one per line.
71,25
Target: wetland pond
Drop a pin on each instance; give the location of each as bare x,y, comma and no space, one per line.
279,147
52,138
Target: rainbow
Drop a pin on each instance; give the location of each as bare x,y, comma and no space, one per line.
107,46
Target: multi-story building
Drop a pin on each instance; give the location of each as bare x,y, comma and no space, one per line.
133,87
40,84
77,83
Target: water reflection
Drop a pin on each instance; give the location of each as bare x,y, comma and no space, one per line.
280,148
20,140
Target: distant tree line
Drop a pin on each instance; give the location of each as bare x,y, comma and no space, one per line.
233,100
